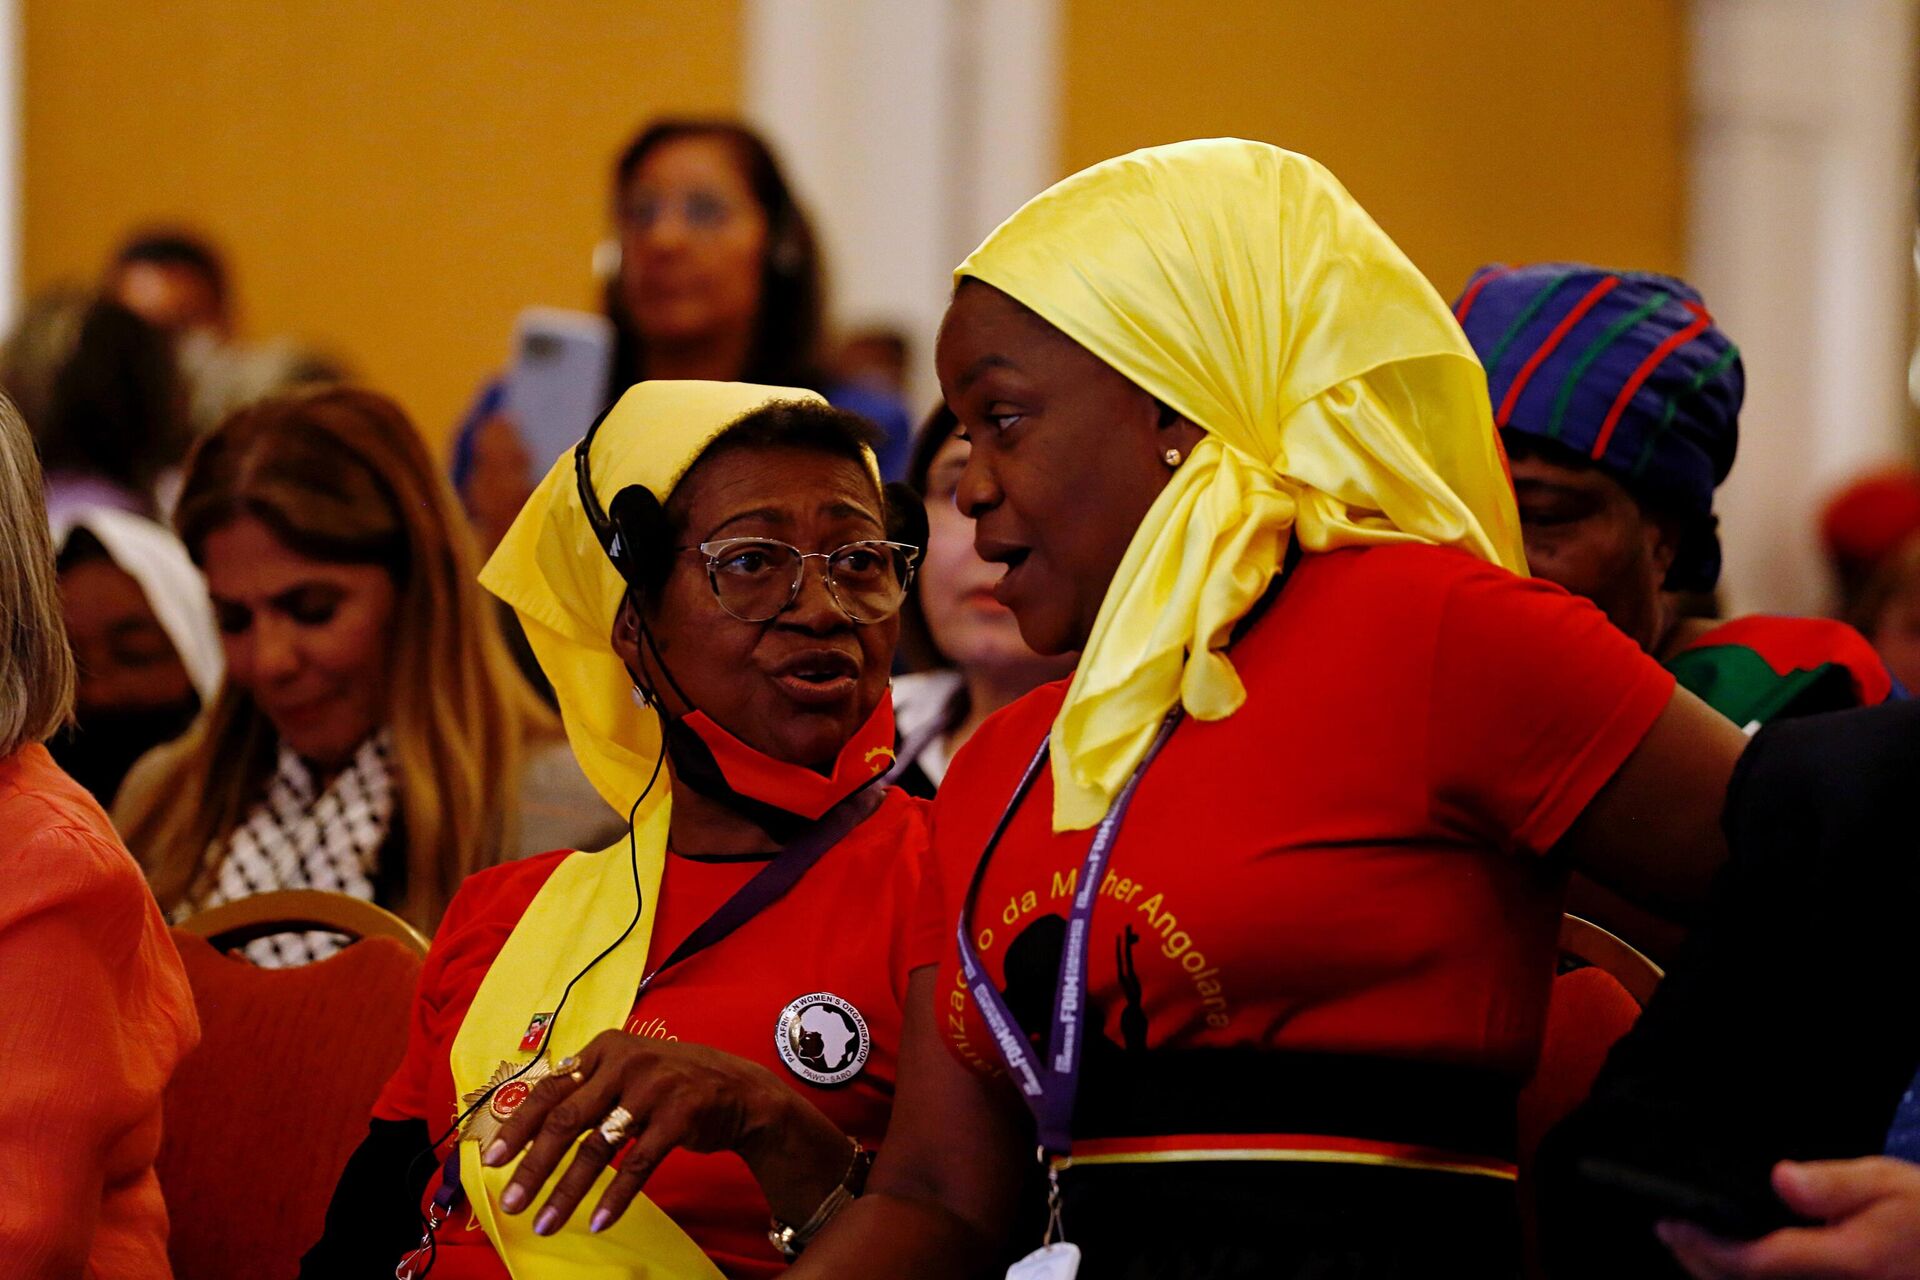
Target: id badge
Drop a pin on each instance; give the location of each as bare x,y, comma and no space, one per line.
1059,1261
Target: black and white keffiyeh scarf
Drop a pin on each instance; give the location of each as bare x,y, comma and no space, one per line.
302,836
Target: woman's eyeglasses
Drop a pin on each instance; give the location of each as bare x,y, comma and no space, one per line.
701,211
755,579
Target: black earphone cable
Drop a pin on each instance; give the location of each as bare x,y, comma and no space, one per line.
633,853
653,647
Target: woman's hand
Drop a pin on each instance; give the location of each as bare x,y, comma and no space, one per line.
680,1095
948,1182
1871,1210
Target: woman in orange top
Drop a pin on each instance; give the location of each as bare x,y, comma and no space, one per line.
98,1013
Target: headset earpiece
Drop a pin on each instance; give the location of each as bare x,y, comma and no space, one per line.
906,515
785,255
641,548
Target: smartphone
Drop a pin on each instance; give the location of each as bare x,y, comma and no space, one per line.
1736,1215
558,383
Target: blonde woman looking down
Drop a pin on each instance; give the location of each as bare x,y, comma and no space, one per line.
372,736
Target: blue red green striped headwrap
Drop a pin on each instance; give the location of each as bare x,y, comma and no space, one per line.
1624,368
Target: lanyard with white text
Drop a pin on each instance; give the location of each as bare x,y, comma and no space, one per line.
1049,1085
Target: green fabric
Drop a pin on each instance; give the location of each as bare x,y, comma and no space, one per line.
1700,380
1737,682
1593,353
1522,320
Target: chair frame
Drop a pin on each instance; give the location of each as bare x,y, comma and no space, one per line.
234,924
1592,945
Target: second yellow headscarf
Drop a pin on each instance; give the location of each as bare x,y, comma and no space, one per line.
1243,287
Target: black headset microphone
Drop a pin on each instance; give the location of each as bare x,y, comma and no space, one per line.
637,535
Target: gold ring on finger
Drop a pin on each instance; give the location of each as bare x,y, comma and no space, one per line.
614,1128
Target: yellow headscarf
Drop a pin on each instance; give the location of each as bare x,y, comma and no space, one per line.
1243,287
552,569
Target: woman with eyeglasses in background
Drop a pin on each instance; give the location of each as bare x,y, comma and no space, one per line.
713,584
719,277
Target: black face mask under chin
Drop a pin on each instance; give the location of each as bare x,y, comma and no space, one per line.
98,751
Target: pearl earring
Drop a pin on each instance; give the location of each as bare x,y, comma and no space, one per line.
1172,456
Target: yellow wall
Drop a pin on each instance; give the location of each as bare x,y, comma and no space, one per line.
393,179
1473,132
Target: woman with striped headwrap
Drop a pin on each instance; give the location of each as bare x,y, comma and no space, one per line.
1249,927
1619,398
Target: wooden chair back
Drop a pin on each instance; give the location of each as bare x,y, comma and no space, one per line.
1595,1001
260,1119
234,924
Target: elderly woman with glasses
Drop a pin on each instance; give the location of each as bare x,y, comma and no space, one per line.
713,583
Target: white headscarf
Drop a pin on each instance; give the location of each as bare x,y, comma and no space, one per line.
175,590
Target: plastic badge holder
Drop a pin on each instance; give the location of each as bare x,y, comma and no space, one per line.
1049,1262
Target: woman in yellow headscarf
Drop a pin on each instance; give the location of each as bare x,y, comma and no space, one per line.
1249,928
712,583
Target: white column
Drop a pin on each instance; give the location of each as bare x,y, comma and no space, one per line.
12,94
1801,226
906,145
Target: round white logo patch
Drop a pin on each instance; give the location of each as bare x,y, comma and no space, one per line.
822,1038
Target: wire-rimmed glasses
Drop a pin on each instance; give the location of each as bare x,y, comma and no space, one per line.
755,579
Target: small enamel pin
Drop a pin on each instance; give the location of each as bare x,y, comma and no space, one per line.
483,1126
536,1032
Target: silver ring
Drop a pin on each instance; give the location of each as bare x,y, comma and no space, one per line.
613,1130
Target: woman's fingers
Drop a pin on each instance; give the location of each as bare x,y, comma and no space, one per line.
666,1129
1700,1252
531,1111
1830,1189
579,1111
619,1194
589,1158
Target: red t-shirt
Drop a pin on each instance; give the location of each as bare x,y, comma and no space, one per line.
1332,868
843,929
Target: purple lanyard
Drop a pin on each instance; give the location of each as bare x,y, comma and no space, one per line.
1049,1085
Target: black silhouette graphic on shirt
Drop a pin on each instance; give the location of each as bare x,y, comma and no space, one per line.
1133,1018
1032,970
820,1025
